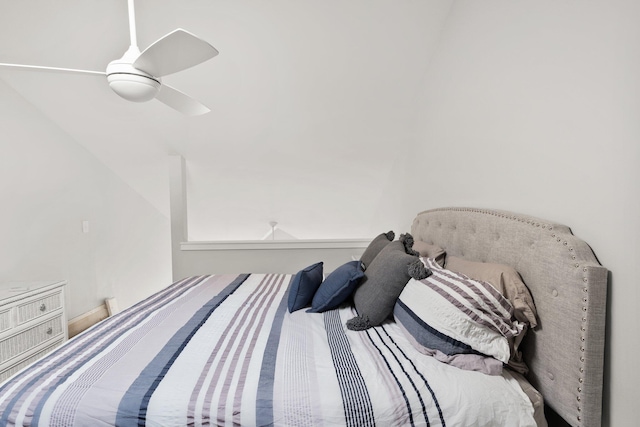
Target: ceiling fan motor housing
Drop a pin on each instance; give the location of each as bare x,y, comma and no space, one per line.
131,83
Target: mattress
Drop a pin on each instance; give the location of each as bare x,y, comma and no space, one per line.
224,350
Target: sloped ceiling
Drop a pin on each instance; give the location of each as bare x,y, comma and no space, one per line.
306,97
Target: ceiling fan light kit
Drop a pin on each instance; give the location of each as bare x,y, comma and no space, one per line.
132,84
136,76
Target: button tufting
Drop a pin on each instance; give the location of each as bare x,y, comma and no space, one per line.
550,375
554,292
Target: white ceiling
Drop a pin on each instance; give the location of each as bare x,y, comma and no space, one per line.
295,79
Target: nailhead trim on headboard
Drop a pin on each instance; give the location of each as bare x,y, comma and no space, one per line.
582,329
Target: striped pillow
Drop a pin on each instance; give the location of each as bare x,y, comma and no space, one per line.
454,314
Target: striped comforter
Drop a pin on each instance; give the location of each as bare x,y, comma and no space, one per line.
224,350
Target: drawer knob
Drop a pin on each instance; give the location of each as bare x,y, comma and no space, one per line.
43,307
49,330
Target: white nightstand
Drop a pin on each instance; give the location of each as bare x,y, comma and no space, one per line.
32,323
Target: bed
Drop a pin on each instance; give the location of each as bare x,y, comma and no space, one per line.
228,349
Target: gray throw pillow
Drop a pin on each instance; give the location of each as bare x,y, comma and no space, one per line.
383,282
374,248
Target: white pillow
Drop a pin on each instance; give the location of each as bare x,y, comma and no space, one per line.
454,314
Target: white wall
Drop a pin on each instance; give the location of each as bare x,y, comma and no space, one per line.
533,107
48,185
318,114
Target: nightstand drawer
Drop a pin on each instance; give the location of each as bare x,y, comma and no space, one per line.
31,337
38,307
29,360
5,320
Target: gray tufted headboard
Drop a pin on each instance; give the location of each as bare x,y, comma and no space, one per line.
565,352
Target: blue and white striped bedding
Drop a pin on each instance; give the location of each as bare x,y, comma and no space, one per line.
224,350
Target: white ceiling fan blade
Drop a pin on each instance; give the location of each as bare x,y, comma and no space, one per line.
180,102
174,52
52,69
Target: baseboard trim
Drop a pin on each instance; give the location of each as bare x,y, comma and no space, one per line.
86,320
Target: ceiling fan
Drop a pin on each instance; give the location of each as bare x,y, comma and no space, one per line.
137,76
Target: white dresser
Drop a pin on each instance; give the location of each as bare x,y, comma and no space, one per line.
32,323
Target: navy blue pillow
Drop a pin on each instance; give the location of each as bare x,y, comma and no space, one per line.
337,287
304,286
